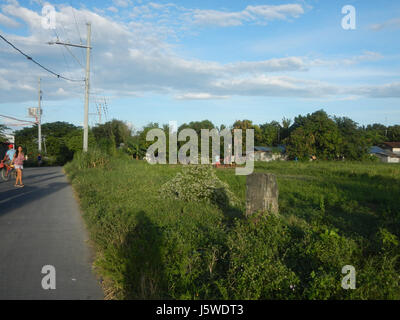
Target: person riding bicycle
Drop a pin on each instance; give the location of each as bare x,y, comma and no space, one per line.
9,157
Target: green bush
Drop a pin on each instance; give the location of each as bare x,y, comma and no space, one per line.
94,158
198,183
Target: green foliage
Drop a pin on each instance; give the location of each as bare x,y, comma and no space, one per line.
331,214
328,139
94,158
115,131
197,126
393,133
257,270
2,132
321,135
74,140
270,134
300,144
55,143
198,183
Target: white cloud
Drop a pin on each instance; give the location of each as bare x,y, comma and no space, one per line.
280,12
31,18
219,18
8,22
389,90
392,23
13,2
256,14
199,96
133,58
122,3
112,9
367,56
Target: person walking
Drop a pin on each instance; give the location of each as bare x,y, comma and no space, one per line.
19,166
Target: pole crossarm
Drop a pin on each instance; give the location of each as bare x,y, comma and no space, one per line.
68,44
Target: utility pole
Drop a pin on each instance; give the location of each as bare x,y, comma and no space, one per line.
87,78
86,116
39,120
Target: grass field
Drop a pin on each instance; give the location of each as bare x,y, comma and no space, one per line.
332,214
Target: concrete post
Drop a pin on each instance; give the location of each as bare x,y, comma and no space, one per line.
261,193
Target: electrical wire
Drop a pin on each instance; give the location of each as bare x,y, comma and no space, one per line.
15,119
37,63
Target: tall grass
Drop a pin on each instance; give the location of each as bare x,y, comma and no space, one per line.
331,214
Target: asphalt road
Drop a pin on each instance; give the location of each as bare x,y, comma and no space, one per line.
41,225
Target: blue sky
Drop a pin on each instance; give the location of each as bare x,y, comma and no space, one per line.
157,61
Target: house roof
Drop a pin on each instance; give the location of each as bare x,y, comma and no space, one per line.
392,144
265,149
279,148
376,149
383,152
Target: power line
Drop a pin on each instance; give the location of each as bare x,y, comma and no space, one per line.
37,63
77,27
15,119
76,59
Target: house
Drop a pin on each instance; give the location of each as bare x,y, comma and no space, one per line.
385,154
392,146
269,153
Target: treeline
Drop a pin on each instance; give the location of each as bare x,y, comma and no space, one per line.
326,137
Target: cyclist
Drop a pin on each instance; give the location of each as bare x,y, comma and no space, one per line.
9,157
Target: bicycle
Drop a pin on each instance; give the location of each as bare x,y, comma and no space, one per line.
7,171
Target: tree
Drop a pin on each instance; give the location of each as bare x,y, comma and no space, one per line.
393,133
57,148
55,133
74,140
112,133
270,133
285,130
300,144
321,134
197,126
355,145
375,133
3,128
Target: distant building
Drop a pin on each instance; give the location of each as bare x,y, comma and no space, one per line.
392,146
388,153
269,153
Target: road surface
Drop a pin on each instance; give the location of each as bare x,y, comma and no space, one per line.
41,225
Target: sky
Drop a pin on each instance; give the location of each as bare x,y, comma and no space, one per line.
186,60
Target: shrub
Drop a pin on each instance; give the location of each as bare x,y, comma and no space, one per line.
257,248
94,158
199,183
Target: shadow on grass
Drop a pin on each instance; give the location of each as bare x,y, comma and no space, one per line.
144,273
223,202
371,203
